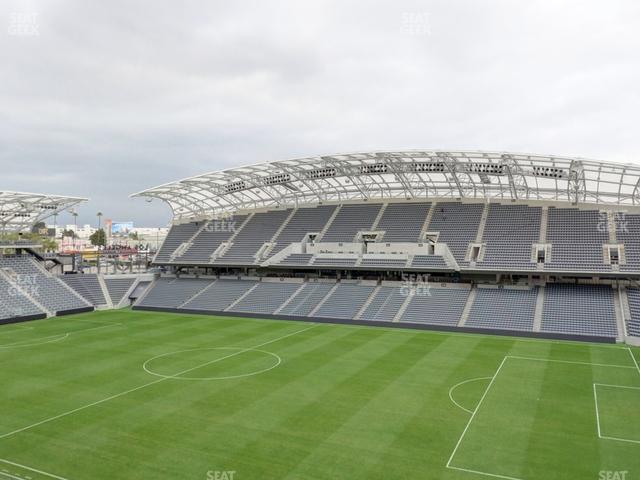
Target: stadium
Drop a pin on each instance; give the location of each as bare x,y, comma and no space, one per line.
387,314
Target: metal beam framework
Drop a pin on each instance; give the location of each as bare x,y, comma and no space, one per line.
20,211
402,175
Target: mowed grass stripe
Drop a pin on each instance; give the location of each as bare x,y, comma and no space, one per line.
433,431
347,390
75,419
118,427
347,401
224,416
98,370
302,379
562,423
496,440
117,395
371,432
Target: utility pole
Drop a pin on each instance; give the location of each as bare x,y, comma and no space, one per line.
99,215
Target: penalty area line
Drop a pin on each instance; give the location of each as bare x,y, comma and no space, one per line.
475,411
633,357
464,432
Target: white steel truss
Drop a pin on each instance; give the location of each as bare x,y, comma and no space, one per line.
20,211
402,174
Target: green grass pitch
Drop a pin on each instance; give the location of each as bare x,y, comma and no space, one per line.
146,395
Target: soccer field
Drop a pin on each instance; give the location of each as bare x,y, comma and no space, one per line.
146,395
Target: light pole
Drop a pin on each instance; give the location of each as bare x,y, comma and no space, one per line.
99,215
75,228
55,231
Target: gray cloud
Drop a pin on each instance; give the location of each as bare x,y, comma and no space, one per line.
113,97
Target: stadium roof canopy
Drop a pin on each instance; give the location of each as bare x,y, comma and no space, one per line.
20,211
405,174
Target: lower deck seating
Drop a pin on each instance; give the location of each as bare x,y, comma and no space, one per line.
568,309
385,304
173,292
633,323
436,306
579,310
267,297
220,295
345,301
13,303
118,288
49,291
88,286
507,309
307,299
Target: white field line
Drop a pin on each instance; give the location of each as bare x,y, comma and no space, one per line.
175,377
628,440
616,386
462,383
473,415
35,341
8,475
570,362
494,475
634,359
131,390
42,472
31,342
595,396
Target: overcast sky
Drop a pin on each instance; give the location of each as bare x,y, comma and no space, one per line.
105,98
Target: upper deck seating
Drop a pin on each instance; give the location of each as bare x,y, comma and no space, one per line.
350,220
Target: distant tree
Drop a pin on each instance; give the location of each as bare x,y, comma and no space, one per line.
134,236
98,238
49,244
39,228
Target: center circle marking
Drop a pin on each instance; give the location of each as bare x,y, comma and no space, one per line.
276,361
